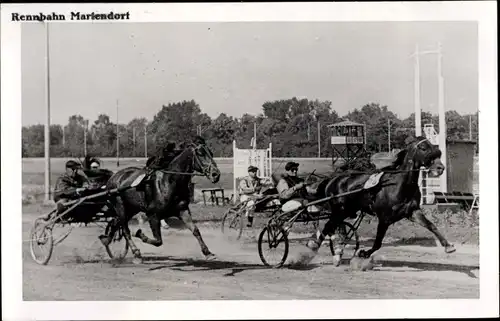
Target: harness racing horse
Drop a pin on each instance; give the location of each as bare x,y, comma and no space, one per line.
394,197
168,195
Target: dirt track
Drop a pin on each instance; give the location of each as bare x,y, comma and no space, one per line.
80,270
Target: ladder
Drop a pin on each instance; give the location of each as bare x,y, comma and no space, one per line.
475,203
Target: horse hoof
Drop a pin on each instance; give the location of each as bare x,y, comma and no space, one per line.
104,240
363,254
137,260
450,249
336,260
210,257
312,245
138,233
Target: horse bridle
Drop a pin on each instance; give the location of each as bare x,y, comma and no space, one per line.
206,170
414,150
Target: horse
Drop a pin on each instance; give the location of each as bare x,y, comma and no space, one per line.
167,195
395,197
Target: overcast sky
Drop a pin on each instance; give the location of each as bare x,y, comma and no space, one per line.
234,68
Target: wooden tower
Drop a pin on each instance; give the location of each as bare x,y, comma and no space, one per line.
348,140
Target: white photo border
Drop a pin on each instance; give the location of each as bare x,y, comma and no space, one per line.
484,12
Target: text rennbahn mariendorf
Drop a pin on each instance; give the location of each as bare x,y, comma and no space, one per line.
72,16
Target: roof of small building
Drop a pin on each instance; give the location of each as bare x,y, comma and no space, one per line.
345,123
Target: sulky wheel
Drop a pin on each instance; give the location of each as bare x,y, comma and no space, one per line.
115,248
344,242
41,241
273,246
232,222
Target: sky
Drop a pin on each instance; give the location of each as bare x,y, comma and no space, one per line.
235,67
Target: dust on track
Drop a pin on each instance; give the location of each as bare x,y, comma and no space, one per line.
80,270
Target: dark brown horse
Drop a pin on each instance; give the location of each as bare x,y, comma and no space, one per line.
395,197
167,195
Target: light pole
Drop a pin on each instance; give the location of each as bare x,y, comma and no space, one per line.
319,140
86,124
117,138
146,140
389,134
47,114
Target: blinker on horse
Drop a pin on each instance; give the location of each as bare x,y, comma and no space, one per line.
396,196
167,195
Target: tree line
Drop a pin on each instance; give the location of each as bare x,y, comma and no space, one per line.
291,125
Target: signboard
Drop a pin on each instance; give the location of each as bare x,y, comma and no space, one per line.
341,140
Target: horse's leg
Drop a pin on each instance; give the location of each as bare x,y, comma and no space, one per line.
185,215
155,224
419,217
328,229
106,239
123,219
381,230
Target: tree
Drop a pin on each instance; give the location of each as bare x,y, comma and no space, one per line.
375,117
178,122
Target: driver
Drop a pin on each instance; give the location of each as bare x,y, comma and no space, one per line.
95,165
70,185
252,185
291,187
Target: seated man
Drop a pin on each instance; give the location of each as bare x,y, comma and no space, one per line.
95,165
292,189
70,185
251,186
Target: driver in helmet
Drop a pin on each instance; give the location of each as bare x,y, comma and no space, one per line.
70,185
291,187
251,186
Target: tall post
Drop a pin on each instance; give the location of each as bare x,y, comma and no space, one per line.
442,120
146,140
418,110
133,138
64,136
319,140
470,127
85,137
117,138
389,134
254,135
308,131
47,114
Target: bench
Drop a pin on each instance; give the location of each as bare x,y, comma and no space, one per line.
214,198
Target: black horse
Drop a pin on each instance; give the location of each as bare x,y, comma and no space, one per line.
167,195
395,197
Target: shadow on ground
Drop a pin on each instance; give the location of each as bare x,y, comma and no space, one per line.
188,264
427,266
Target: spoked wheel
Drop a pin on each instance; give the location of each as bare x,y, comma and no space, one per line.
344,242
116,249
232,223
273,246
41,241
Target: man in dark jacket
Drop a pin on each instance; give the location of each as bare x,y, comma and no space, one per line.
70,185
293,191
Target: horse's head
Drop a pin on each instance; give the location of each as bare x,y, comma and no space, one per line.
204,161
421,153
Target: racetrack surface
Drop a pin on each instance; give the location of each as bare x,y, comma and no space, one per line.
80,270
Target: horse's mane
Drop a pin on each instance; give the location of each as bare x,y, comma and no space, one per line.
358,165
400,157
398,162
